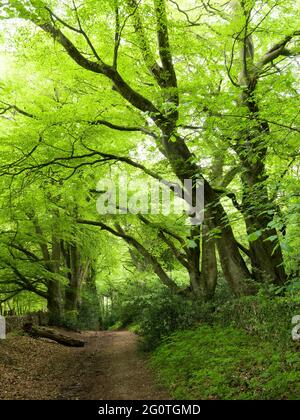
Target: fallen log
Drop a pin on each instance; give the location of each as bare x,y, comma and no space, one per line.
43,332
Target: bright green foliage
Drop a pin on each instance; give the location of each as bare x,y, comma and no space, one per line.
162,90
155,311
225,363
53,106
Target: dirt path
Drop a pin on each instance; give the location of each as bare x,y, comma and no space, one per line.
109,367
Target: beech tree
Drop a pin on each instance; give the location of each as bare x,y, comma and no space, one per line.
43,251
206,91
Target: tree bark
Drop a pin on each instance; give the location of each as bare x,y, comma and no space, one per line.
43,332
54,302
235,270
209,270
54,292
258,211
75,278
266,255
52,264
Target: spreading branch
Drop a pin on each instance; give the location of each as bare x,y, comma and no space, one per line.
130,240
277,50
123,88
181,257
123,128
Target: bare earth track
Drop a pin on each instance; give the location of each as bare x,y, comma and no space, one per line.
109,367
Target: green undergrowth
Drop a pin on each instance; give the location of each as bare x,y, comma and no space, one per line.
214,362
116,326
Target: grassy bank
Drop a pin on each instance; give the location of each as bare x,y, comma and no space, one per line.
226,363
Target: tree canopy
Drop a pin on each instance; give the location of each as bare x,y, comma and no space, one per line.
156,89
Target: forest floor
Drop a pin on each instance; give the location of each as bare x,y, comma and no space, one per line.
108,367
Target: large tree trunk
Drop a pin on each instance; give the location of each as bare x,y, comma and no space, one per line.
266,255
194,261
209,270
54,302
52,264
258,211
54,292
75,277
90,306
234,268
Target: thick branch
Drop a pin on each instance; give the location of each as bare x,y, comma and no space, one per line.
166,280
10,107
147,53
276,51
123,128
72,28
117,35
25,251
108,124
164,45
24,282
42,244
244,249
172,185
229,176
133,97
176,252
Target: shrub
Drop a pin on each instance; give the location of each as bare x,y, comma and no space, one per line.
265,315
155,312
115,327
168,312
89,311
70,320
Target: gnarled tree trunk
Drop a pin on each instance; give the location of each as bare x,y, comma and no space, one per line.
251,147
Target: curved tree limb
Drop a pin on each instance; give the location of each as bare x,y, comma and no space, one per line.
130,240
125,90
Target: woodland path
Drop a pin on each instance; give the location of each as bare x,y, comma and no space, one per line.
113,369
109,367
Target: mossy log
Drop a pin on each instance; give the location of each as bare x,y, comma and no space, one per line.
43,332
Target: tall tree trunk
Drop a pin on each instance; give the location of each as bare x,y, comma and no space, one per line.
257,209
194,261
72,293
54,292
209,270
266,255
234,268
54,302
52,264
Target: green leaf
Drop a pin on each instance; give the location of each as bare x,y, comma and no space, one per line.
254,236
192,244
